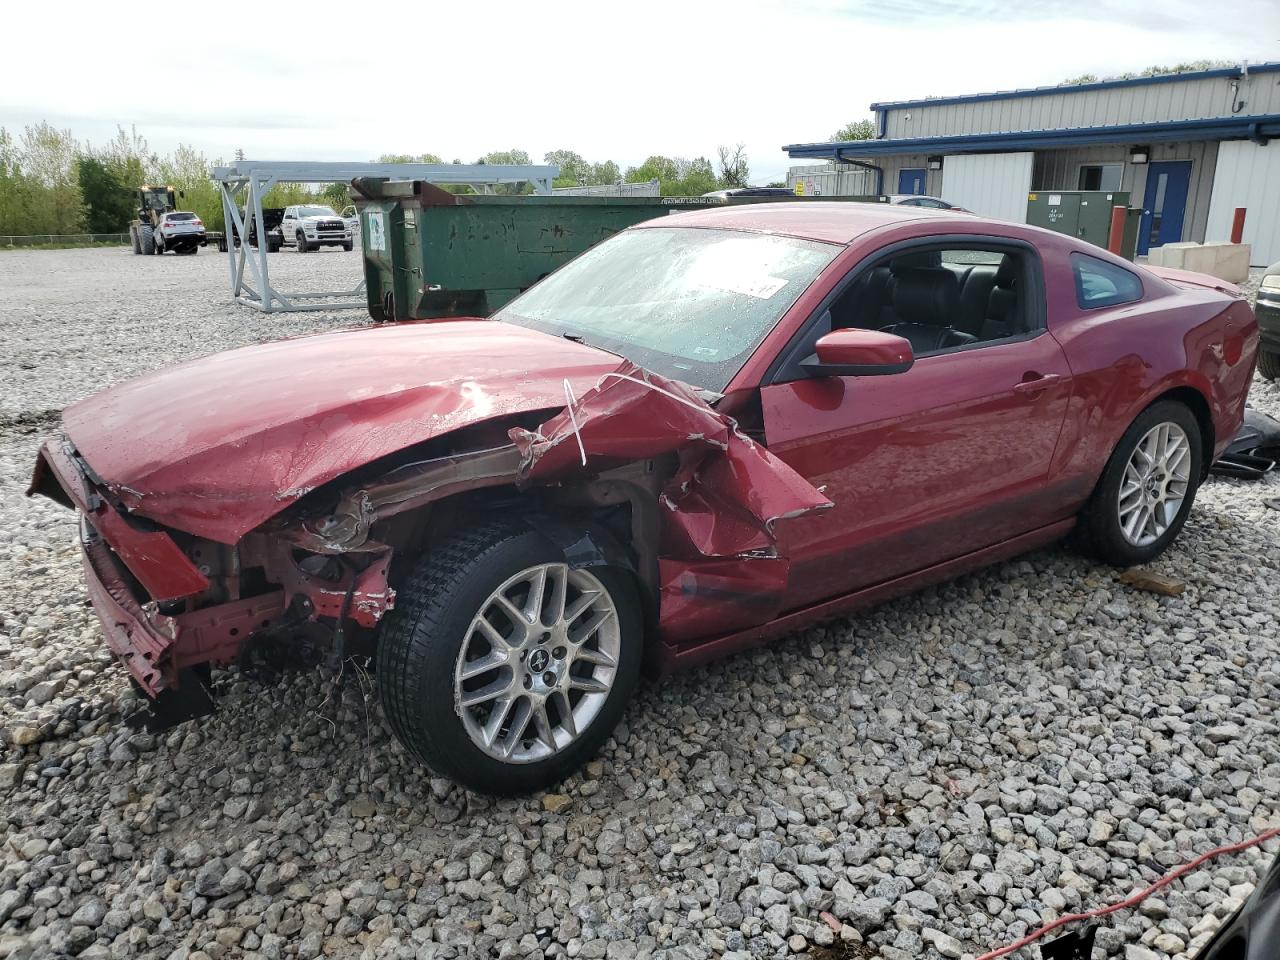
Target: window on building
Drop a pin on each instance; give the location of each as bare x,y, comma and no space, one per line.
1103,284
1101,176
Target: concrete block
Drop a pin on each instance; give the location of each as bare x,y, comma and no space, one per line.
1226,261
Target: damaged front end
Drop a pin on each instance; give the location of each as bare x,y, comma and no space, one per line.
640,473
172,604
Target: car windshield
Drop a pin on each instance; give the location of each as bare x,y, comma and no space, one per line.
689,304
316,212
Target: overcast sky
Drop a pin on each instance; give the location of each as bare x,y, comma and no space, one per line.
321,81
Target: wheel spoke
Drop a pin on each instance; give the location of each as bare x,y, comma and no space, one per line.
475,668
597,657
497,716
1136,521
490,691
594,623
558,596
588,685
537,592
580,606
515,730
566,712
542,726
510,610
496,640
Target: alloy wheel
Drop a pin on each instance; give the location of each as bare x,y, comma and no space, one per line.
537,663
1155,484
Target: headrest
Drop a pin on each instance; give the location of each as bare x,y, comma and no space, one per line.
915,261
1006,273
929,297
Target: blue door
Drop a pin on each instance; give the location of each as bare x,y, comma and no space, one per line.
1165,205
911,180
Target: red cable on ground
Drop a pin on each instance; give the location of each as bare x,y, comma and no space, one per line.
1136,898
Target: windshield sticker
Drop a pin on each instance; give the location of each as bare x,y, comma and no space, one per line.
761,288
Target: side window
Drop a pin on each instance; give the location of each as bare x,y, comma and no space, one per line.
1103,284
943,299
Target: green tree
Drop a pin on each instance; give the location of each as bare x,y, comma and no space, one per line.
409,158
676,176
606,172
109,204
734,171
17,192
49,161
573,169
187,171
856,130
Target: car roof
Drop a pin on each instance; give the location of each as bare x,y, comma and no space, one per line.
827,221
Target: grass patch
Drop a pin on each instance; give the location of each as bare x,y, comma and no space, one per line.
64,246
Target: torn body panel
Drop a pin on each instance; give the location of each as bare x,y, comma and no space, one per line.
719,568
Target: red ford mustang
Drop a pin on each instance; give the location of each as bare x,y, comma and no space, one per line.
705,432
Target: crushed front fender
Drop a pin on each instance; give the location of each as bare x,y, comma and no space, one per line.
719,565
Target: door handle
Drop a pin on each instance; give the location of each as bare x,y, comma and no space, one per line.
1036,385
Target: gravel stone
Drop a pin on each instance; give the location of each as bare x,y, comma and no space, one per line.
935,774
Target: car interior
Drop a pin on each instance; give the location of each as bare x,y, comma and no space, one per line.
938,299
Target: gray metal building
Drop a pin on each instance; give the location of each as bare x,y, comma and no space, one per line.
1188,148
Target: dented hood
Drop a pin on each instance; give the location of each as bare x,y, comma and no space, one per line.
218,445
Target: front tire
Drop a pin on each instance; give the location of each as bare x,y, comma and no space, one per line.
148,239
1147,488
1269,364
302,244
502,667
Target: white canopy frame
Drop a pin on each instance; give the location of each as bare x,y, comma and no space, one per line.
244,183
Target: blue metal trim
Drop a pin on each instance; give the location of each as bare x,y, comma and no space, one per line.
1224,72
1214,128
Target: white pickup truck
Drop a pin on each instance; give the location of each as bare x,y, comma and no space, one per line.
309,227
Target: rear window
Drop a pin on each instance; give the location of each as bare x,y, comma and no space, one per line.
1103,284
181,216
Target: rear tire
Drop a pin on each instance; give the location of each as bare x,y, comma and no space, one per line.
1269,364
537,666
147,239
133,237
1132,516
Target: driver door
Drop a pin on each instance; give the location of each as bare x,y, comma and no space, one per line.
924,466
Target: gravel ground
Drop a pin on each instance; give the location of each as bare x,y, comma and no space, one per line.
941,775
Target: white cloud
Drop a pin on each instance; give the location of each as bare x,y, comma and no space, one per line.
331,81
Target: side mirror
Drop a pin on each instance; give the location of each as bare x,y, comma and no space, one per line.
850,352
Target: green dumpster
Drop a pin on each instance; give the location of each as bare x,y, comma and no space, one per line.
430,254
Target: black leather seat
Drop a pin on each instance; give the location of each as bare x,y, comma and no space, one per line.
926,302
975,298
1003,318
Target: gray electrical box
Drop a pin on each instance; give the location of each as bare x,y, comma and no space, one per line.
1085,214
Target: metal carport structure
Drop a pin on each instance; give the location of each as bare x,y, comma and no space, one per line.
244,183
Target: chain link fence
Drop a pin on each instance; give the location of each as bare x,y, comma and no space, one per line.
62,239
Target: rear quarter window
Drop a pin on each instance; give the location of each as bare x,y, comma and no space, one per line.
1103,284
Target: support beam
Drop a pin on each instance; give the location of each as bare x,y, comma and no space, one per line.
244,183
